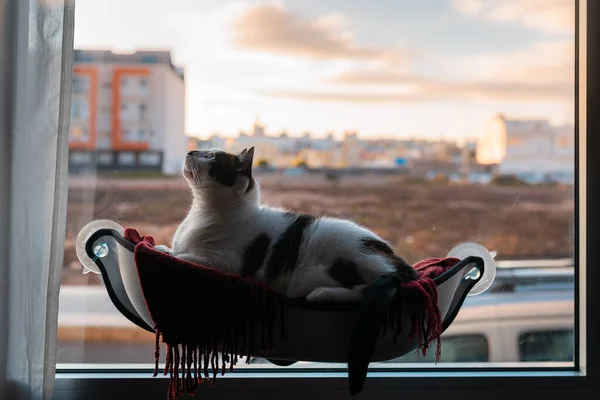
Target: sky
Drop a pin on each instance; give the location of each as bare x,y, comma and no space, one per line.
384,68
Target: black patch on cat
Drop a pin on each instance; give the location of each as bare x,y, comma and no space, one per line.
346,273
404,270
284,256
376,246
254,255
224,168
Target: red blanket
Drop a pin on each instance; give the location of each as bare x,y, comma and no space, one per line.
208,318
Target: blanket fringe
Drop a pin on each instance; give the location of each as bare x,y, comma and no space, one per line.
189,364
420,300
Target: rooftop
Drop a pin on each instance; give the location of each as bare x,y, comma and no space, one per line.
139,57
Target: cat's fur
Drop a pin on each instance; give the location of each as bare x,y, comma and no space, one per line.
322,258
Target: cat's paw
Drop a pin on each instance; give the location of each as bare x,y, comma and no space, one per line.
163,248
335,294
319,294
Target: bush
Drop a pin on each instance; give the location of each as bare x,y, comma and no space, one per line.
263,164
508,180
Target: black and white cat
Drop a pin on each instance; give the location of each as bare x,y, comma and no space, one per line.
320,258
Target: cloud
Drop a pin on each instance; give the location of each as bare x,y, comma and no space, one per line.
556,16
344,97
544,72
272,29
432,90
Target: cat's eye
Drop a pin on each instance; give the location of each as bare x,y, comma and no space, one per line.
210,156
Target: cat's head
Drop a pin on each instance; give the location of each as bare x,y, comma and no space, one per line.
218,174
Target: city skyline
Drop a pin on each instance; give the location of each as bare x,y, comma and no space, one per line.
430,69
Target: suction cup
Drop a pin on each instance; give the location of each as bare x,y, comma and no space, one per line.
489,274
101,250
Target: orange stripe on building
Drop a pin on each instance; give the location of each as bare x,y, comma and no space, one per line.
117,134
92,75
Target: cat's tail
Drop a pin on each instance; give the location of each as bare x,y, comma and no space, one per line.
402,270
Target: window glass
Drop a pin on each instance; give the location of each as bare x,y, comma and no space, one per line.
546,346
458,348
431,135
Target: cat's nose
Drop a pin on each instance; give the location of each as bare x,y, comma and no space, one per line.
193,153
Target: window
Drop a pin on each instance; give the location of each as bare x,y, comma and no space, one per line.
81,158
148,59
78,134
105,158
80,84
144,89
131,134
75,110
546,346
149,158
460,348
79,109
525,222
143,109
126,158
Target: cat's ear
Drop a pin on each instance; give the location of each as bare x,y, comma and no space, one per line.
246,158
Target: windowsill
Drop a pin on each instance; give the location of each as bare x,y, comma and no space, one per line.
424,385
558,373
317,368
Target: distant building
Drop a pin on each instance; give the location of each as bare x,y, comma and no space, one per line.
127,112
214,142
532,150
351,149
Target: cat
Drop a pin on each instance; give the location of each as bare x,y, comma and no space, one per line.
318,258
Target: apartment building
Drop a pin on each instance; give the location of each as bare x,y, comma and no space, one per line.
127,112
532,150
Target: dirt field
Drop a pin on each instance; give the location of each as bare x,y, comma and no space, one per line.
419,219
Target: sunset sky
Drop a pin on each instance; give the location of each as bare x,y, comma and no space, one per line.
430,68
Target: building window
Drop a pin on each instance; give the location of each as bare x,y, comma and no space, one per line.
75,109
546,346
144,86
127,134
79,109
126,158
148,59
143,109
105,158
132,134
80,84
81,158
149,159
78,134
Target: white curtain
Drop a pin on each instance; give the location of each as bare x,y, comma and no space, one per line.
36,51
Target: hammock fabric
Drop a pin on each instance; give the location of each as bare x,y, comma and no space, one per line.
208,318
